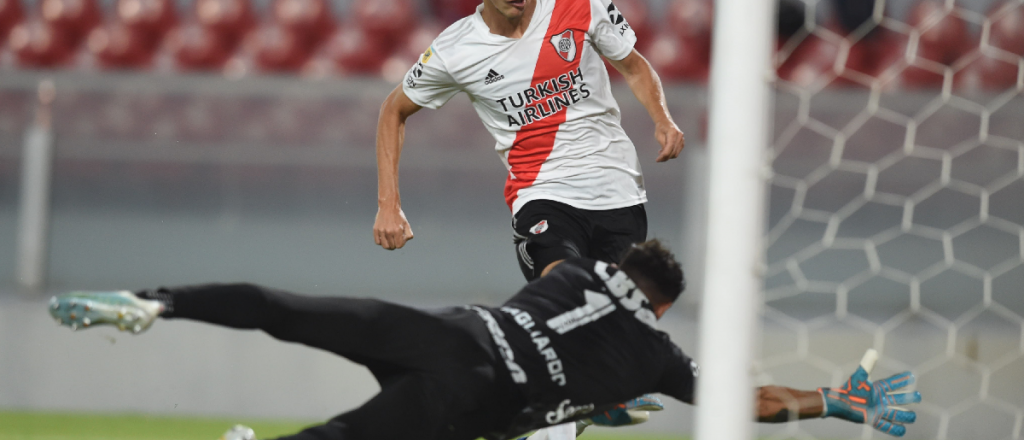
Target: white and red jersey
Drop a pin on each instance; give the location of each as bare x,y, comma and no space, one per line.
545,98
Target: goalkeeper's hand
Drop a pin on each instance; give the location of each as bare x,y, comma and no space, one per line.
631,412
861,401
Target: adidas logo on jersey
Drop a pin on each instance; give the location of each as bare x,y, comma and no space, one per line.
493,77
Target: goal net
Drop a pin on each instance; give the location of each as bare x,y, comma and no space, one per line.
896,209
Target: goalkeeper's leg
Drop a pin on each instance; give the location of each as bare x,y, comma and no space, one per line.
383,336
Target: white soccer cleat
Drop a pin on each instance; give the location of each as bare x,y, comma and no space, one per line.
239,432
121,309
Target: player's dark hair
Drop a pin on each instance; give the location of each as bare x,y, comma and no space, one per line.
654,261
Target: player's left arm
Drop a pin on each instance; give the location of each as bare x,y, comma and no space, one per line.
646,86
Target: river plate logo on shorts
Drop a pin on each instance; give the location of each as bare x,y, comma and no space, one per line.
539,227
565,45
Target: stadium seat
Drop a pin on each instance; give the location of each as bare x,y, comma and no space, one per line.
75,18
196,47
37,43
944,35
276,48
420,38
150,19
116,45
309,20
406,54
11,13
677,59
388,21
944,39
354,51
450,11
813,60
684,48
1007,31
691,19
228,19
986,73
879,55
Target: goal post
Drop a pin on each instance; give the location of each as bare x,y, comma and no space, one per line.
737,140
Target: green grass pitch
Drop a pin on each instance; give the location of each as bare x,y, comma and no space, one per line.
67,426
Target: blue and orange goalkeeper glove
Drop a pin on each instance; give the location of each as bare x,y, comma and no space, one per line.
861,401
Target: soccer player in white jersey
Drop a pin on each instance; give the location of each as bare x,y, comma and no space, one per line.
535,74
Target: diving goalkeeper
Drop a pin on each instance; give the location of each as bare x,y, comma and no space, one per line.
570,346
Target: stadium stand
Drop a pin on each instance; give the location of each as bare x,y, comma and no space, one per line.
380,38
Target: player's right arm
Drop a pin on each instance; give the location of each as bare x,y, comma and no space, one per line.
427,84
391,229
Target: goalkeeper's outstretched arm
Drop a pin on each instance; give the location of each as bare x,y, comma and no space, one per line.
859,400
777,404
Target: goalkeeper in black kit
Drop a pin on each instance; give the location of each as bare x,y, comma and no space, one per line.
570,346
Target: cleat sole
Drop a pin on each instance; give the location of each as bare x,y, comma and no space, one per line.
121,309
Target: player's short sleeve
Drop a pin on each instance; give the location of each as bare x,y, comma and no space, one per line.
679,379
428,82
609,30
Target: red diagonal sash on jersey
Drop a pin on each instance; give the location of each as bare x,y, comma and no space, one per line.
535,141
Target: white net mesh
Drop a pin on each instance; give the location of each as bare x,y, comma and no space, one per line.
897,211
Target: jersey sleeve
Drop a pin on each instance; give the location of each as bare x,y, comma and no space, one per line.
679,379
609,30
428,82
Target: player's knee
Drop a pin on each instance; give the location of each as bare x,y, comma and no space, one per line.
536,252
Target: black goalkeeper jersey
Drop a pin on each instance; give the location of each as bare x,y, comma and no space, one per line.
581,340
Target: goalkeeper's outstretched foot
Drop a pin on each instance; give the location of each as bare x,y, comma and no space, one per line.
120,308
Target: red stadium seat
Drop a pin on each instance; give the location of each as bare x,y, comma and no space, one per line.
276,48
944,36
1007,31
878,56
386,20
812,62
986,73
36,43
310,20
116,45
148,18
406,54
677,59
228,19
918,77
354,51
689,55
73,17
11,13
691,19
450,11
421,38
196,47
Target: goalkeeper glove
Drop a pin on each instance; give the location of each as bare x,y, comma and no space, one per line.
631,412
862,401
